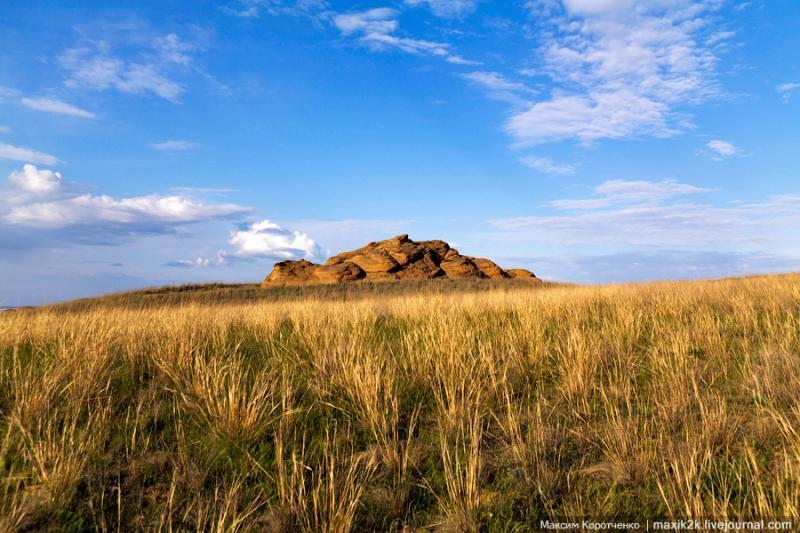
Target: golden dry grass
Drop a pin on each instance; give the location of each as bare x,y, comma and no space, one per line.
480,407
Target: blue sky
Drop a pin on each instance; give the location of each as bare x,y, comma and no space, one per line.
148,143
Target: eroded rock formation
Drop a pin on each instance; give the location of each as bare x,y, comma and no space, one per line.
397,258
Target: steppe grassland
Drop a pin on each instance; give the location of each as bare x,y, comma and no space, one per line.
381,410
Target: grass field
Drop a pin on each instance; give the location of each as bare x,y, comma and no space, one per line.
441,406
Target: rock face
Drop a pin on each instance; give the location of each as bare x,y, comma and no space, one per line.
520,273
397,258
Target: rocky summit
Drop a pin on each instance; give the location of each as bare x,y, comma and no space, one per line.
398,258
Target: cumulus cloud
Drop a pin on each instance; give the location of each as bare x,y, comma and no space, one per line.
376,29
721,149
20,153
267,239
548,166
621,69
52,105
31,180
41,199
447,8
174,146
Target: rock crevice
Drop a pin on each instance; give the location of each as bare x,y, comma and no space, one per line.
398,258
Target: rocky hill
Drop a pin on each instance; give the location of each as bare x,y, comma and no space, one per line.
398,258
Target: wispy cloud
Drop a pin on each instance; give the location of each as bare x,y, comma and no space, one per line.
376,28
174,146
201,262
618,192
8,92
4,129
721,149
644,213
447,8
546,165
786,89
203,190
52,105
267,239
643,265
501,88
621,69
254,8
96,67
646,191
20,153
42,199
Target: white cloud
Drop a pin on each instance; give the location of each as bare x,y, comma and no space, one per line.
20,153
644,213
581,204
619,192
377,20
447,8
8,92
174,146
254,8
643,265
645,191
786,89
546,165
621,69
41,199
376,29
267,239
493,80
96,68
683,225
611,115
173,50
4,129
34,181
721,149
51,105
597,7
201,262
499,87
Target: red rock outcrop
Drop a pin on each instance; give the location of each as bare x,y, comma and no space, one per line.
393,259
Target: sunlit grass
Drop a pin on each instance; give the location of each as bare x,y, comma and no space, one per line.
381,407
